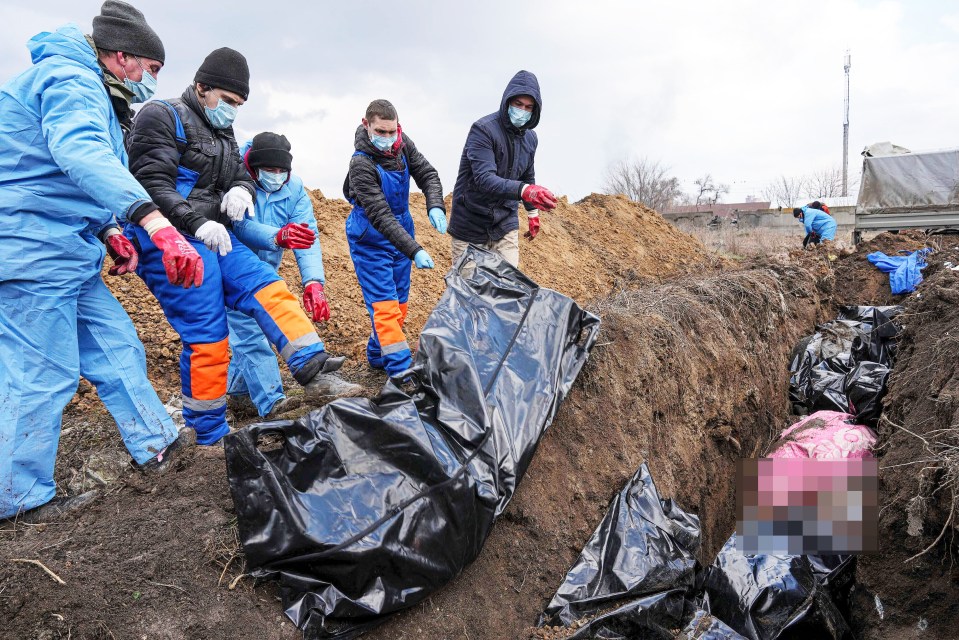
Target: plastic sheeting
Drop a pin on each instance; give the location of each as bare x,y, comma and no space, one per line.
905,271
844,366
911,182
368,506
779,597
638,568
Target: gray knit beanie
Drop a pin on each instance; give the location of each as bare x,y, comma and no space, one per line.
121,27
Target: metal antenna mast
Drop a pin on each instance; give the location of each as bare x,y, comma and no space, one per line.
845,130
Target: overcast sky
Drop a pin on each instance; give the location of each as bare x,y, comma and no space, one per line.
745,90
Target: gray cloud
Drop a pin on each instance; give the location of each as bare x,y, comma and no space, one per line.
743,89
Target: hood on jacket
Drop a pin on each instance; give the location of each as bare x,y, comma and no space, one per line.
361,142
67,41
523,83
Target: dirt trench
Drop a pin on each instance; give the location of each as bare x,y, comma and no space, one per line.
689,374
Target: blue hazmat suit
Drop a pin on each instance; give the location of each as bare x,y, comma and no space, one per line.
819,222
63,178
254,370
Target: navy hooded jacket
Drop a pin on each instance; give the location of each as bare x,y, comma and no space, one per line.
497,161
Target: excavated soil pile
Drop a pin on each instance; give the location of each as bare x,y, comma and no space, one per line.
583,250
919,472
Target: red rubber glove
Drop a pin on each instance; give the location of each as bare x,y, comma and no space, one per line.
540,197
124,254
533,227
295,236
182,263
315,302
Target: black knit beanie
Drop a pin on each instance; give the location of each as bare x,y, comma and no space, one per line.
270,150
227,69
121,27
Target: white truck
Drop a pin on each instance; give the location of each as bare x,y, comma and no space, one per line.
906,190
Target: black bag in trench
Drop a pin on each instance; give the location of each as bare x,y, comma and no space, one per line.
845,364
766,597
637,569
369,506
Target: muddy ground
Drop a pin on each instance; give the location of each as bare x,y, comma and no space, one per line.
689,374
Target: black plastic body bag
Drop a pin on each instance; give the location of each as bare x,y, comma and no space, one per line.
637,571
845,364
369,506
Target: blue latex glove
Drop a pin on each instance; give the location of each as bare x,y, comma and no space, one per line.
438,219
423,260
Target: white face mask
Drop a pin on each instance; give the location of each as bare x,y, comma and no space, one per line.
383,143
143,90
272,181
518,116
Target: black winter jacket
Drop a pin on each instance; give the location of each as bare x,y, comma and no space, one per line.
497,161
363,186
212,153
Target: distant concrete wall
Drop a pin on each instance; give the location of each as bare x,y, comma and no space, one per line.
775,219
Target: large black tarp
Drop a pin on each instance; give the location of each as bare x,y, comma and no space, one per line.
366,507
636,570
845,364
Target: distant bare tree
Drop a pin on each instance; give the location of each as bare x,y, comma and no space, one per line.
708,191
826,183
785,192
645,181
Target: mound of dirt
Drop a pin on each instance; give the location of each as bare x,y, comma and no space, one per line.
583,250
919,472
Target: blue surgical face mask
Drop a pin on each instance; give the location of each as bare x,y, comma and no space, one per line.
222,116
143,90
272,181
518,116
383,143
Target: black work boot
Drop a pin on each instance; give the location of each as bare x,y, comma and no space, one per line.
55,509
320,363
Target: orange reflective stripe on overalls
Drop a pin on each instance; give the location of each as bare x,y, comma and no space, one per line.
284,309
207,375
388,323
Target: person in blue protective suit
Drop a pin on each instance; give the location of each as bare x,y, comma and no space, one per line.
819,224
184,153
284,220
380,229
63,180
496,172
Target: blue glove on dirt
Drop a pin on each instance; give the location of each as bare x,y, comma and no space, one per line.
438,219
423,260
